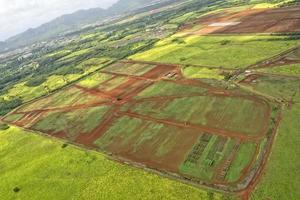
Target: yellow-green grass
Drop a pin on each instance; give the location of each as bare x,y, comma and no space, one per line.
274,4
94,80
75,54
293,70
67,97
42,169
219,51
130,68
62,52
93,64
264,5
280,87
281,178
113,83
202,72
53,82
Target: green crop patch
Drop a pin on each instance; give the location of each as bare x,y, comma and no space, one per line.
288,70
71,124
149,143
166,98
68,97
94,80
56,173
280,87
130,68
165,88
233,114
152,116
216,51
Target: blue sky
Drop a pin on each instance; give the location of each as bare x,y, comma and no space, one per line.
17,16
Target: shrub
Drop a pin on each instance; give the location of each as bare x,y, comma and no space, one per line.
33,82
4,127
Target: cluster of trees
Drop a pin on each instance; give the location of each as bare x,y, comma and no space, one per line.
7,105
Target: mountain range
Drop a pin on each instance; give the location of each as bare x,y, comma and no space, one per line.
73,21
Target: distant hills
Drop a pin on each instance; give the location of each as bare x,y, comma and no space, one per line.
73,21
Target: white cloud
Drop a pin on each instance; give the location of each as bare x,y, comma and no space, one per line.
19,15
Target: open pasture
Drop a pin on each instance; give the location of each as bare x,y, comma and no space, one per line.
280,87
285,70
229,114
182,128
56,170
226,51
248,21
286,58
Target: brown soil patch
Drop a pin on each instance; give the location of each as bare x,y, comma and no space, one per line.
278,20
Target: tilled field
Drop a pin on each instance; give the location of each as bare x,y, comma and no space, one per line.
280,20
151,116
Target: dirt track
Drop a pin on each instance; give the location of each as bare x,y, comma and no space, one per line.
125,92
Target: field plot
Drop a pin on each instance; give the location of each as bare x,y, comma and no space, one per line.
285,70
281,87
149,115
247,21
289,57
225,51
237,115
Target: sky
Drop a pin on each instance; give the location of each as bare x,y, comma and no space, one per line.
17,16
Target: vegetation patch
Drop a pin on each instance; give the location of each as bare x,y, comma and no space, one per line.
211,50
75,177
202,72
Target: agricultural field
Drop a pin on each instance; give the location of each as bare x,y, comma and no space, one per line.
286,70
284,161
194,100
280,87
247,21
71,173
229,52
143,117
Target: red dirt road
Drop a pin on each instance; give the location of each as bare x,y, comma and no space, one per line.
125,92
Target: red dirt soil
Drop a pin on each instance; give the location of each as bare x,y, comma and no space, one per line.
125,92
278,20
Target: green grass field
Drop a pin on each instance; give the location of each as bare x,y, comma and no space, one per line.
130,68
232,114
292,70
202,72
278,87
219,51
72,123
67,97
41,168
244,156
94,80
281,179
164,88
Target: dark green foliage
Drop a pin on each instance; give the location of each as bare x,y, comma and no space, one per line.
16,189
225,42
7,106
35,81
3,127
